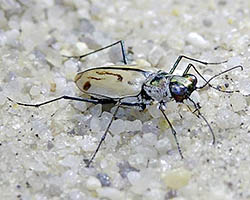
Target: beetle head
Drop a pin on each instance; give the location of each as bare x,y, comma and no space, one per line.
181,87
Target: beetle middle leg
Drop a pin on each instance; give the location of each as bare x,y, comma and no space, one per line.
172,129
104,135
139,105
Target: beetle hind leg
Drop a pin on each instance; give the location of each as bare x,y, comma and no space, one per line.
94,101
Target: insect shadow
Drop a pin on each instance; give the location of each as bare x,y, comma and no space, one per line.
119,84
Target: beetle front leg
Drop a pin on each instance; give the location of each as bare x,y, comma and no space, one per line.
197,109
161,107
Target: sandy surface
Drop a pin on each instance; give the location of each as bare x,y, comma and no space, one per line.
42,149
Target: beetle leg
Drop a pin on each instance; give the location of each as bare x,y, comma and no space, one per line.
172,129
94,101
104,135
141,105
197,109
193,59
106,47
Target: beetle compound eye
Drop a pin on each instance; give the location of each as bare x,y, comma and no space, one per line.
177,89
179,92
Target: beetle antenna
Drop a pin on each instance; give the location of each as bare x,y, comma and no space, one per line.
197,109
207,82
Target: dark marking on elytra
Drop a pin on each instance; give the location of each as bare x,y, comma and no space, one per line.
86,86
119,77
130,83
91,77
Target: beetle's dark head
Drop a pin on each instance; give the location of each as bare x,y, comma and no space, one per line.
181,87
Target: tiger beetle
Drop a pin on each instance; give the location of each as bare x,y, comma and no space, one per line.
135,86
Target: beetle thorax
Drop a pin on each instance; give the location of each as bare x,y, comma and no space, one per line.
157,88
